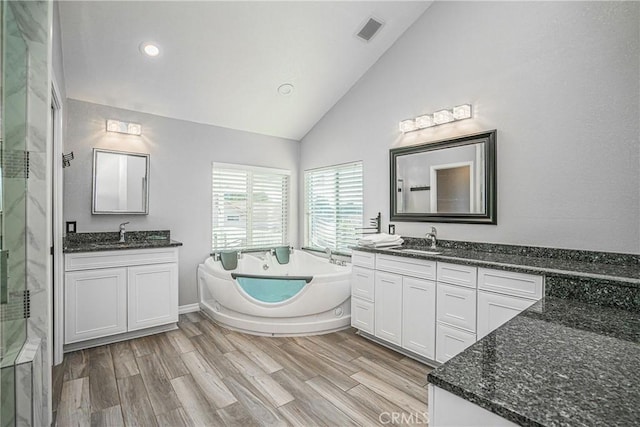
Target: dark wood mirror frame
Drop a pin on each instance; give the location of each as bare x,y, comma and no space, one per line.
489,216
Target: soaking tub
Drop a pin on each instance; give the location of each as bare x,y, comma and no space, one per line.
262,297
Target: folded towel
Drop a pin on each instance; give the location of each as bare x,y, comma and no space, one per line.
229,260
388,244
379,238
282,254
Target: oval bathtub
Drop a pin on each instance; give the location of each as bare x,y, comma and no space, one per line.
306,296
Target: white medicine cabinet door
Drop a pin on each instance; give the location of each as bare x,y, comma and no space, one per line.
419,316
153,295
388,307
95,303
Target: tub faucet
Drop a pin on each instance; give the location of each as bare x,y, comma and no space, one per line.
122,231
432,238
331,258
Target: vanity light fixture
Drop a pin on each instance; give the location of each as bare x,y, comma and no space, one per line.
408,126
129,128
440,117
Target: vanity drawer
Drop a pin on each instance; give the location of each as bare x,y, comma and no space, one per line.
107,259
362,283
456,306
421,268
362,315
363,259
457,274
451,341
510,283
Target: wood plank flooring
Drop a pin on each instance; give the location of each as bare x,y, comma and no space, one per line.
205,375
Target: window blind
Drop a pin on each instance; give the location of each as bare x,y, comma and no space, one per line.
250,207
333,206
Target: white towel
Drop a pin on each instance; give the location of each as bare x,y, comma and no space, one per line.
380,242
379,238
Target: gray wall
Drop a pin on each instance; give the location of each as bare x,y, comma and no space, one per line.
181,154
558,80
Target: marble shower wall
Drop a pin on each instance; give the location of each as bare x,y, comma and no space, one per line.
34,22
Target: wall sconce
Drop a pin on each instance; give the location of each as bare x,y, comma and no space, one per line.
440,117
129,128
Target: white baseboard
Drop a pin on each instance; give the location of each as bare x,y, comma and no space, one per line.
189,308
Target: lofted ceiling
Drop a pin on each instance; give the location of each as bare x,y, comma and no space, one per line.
221,62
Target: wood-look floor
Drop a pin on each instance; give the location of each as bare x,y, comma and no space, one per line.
205,375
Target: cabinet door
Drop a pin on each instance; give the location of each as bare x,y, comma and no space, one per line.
495,309
419,316
362,315
362,283
95,304
451,341
457,306
153,295
388,307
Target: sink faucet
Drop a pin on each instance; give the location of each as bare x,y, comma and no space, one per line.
122,231
432,238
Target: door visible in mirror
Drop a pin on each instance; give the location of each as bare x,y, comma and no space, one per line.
445,181
120,182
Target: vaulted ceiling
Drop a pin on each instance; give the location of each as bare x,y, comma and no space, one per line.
221,62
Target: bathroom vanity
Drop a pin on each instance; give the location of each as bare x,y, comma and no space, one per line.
119,290
432,310
554,339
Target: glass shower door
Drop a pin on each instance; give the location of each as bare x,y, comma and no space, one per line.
13,178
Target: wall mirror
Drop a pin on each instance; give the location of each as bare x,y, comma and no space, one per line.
120,182
453,180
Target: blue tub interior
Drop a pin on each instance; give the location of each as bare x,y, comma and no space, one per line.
271,290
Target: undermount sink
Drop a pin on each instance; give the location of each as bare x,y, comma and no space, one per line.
418,251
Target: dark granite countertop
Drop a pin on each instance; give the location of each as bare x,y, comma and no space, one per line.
109,241
559,363
627,270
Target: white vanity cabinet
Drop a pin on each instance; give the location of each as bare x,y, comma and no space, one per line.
362,291
502,295
456,309
393,299
430,309
388,307
112,292
418,316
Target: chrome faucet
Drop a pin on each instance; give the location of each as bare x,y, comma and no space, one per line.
328,252
122,231
432,238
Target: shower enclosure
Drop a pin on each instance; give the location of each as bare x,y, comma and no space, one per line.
14,300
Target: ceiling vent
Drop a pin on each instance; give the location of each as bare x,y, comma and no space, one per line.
369,29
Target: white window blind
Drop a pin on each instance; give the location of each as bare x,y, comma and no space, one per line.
333,206
250,207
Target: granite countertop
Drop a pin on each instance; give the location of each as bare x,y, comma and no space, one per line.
560,362
109,241
625,269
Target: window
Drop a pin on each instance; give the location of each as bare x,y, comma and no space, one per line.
333,206
250,207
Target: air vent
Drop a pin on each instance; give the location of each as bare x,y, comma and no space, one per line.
369,30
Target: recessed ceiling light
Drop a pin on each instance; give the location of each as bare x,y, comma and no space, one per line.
285,89
150,49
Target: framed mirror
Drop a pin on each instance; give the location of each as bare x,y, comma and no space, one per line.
453,180
120,182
